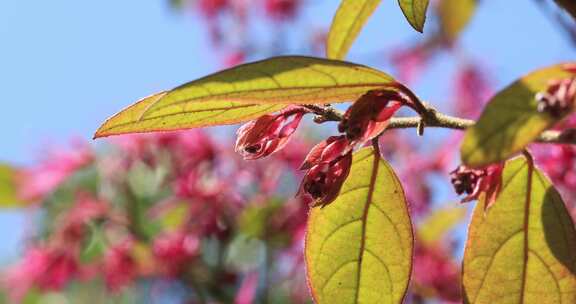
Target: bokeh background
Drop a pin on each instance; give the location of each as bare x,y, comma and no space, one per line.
65,66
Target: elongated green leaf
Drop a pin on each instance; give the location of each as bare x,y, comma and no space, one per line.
454,16
246,92
8,192
415,12
510,121
346,25
359,248
522,249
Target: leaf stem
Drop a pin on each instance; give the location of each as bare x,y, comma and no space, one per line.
436,119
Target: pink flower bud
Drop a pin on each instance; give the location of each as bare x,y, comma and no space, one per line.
370,115
328,167
474,182
558,99
267,134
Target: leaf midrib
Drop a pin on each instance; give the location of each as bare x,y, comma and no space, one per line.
375,167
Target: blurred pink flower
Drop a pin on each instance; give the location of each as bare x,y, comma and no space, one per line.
174,250
281,9
41,267
36,182
436,274
120,268
247,291
471,90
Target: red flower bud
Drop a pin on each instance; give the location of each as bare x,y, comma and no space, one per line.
370,115
267,134
329,165
477,181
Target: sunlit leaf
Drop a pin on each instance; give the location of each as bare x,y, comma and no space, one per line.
510,121
521,249
8,192
359,248
440,221
246,92
346,25
454,16
415,12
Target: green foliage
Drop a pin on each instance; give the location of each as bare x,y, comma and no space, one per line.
522,248
511,120
454,16
8,195
346,25
415,12
359,248
247,91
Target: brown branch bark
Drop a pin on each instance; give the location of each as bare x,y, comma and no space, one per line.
433,118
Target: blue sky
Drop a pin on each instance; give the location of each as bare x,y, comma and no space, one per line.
67,65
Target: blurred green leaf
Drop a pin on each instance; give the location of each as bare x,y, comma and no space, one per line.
439,222
245,253
8,191
346,25
145,181
415,12
254,219
510,120
454,16
175,217
359,248
522,248
94,245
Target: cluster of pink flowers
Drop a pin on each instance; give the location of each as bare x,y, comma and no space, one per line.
159,201
328,163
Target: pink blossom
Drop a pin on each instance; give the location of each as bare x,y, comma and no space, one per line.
174,250
247,292
475,182
281,9
210,8
41,267
435,272
120,267
409,62
472,90
328,165
370,115
558,99
267,134
37,182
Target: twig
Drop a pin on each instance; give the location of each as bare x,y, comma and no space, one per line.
433,118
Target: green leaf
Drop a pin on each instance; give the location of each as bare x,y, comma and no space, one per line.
415,12
434,227
510,121
359,248
522,248
8,191
246,92
346,25
454,16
